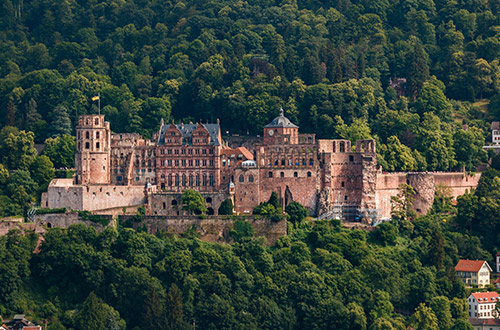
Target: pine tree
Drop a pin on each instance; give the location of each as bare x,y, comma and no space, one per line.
61,124
32,115
418,69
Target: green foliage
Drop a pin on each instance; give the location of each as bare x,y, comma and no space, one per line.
95,314
61,151
193,202
86,215
241,229
296,212
226,207
402,204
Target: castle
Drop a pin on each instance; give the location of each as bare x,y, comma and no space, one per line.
328,177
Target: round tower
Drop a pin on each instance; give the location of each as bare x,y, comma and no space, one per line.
93,145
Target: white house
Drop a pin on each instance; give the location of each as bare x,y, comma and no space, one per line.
495,132
474,272
482,305
498,262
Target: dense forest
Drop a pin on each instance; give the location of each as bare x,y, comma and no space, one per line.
327,63
318,277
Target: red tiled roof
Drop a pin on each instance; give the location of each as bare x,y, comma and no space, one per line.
498,280
469,265
495,125
485,297
237,151
498,254
474,321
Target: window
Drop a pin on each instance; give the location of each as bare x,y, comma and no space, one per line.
190,180
270,174
282,174
351,158
97,145
282,162
190,162
343,184
169,151
87,145
197,162
209,199
204,162
169,162
162,162
295,174
345,198
223,162
97,121
204,151
311,162
198,180
183,162
87,135
250,178
177,179
174,202
176,162
184,181
176,151
241,178
204,179
308,174
211,180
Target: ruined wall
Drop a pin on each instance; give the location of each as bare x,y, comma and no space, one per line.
387,186
424,184
61,193
212,229
458,183
246,190
169,204
64,220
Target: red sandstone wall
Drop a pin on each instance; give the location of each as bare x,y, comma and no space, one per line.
387,186
459,183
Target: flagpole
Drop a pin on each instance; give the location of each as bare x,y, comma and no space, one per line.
99,99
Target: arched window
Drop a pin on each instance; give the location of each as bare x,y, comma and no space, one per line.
204,179
270,174
311,162
170,179
96,135
209,199
198,180
304,162
97,121
241,178
190,180
295,174
177,179
250,178
184,181
282,174
308,174
174,202
282,162
87,135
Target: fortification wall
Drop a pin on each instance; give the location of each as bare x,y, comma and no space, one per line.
458,183
62,193
387,186
211,229
64,220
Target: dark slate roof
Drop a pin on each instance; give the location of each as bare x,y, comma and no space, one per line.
281,121
187,133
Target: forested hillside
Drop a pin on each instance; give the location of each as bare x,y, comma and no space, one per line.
320,277
328,63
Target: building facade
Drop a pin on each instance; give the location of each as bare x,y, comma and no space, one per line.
482,305
474,272
330,177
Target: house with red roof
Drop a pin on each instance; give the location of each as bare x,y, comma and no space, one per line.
482,305
474,272
485,324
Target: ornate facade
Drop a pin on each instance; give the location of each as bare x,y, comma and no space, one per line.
330,177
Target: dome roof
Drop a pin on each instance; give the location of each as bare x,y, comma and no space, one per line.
281,121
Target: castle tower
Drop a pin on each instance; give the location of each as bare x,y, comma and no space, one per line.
281,131
93,145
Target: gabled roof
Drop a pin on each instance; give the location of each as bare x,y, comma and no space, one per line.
281,121
465,265
187,132
237,151
474,321
498,254
486,297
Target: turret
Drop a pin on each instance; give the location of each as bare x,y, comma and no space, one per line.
93,145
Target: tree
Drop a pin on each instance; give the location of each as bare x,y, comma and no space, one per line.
274,201
417,71
61,151
441,307
95,314
462,325
397,156
226,207
173,309
16,148
358,130
424,319
402,203
296,211
468,145
154,313
61,123
241,229
32,115
193,202
42,170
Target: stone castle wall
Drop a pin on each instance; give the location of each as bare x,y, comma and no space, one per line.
212,229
